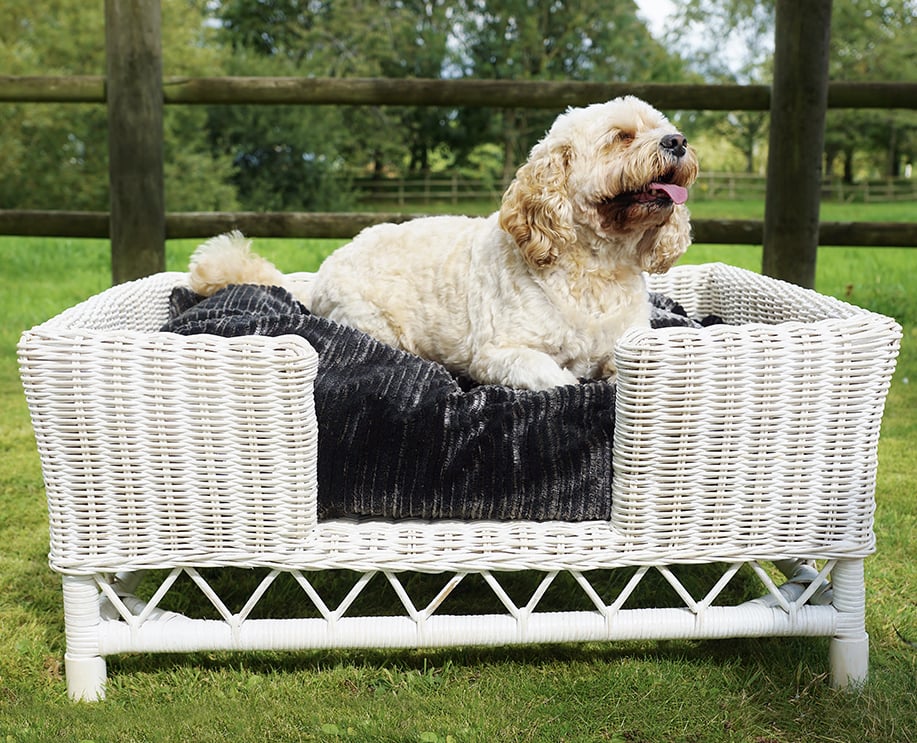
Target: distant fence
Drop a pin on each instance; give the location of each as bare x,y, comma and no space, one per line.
456,189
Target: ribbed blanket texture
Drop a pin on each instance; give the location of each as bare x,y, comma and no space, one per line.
400,437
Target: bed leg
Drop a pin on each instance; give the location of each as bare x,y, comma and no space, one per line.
84,667
849,651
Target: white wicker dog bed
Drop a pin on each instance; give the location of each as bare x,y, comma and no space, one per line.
736,444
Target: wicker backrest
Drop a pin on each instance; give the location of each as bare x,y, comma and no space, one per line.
741,297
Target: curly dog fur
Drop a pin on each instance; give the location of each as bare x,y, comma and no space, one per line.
533,296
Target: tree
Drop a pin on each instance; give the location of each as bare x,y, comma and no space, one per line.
512,39
53,155
359,38
870,40
196,177
56,155
725,39
547,40
728,41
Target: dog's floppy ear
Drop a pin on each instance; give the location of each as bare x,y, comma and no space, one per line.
536,210
669,242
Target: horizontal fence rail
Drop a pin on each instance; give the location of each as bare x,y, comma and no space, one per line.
344,225
436,92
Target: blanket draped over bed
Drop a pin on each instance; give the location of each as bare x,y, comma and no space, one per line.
400,437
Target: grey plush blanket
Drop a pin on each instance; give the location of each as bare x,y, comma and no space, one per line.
399,437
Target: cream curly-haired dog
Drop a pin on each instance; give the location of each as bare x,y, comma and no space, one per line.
533,296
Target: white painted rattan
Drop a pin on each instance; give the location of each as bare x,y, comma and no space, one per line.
744,442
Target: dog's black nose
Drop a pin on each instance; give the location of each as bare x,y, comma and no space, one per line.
677,144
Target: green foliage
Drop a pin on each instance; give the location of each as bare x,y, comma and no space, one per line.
56,155
280,159
546,40
196,178
53,155
42,39
353,39
725,39
518,39
871,40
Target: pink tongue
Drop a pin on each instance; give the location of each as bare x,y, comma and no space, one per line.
678,194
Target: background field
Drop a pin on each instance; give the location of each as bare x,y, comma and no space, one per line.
761,691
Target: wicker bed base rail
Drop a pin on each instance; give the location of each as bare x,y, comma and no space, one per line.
734,445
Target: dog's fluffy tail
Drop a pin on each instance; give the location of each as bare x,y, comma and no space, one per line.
228,259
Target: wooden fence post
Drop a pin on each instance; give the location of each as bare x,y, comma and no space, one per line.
799,100
135,137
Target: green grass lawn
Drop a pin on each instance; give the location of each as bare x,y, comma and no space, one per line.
756,691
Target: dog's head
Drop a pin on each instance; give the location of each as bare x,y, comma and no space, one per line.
608,176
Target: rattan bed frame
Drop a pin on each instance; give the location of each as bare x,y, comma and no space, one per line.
740,444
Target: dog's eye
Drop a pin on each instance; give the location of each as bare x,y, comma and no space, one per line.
624,137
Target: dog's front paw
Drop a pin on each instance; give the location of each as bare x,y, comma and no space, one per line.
608,371
523,368
546,379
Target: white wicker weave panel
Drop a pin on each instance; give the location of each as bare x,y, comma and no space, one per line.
740,297
758,435
140,305
158,448
470,546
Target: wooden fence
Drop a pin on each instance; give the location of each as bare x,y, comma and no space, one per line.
134,92
455,189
